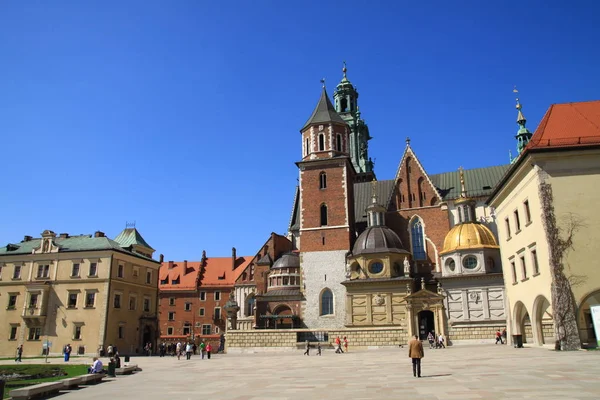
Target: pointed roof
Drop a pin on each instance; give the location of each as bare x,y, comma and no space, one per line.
323,112
131,236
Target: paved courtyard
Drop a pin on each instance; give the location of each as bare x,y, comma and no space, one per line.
461,372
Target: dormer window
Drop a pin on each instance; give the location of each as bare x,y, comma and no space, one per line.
175,281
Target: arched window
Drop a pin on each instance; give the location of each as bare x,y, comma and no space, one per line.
338,142
326,302
417,239
421,192
323,214
250,301
322,180
321,142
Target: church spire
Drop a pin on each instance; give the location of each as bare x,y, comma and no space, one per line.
523,135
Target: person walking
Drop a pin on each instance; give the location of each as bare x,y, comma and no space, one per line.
415,352
441,341
202,349
178,350
431,339
346,344
504,336
110,350
499,337
307,347
338,345
208,350
19,353
318,348
188,351
67,351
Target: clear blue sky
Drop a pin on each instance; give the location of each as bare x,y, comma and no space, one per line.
184,115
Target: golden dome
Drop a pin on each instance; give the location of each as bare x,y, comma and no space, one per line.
469,235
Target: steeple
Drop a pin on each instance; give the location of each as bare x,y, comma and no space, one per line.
523,135
324,111
464,204
346,104
375,211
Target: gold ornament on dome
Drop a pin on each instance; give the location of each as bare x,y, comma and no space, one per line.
469,236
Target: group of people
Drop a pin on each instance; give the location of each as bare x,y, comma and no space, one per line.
436,341
338,346
179,349
501,336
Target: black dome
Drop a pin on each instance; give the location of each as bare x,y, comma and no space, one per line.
378,239
289,260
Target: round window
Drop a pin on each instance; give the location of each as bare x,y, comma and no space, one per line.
470,262
451,264
376,267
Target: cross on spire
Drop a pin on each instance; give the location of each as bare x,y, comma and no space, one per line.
323,82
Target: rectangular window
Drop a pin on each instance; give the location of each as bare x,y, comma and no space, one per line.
12,302
33,300
523,267
527,211
188,306
13,333
136,272
514,271
77,332
90,299
120,271
201,312
534,261
17,272
507,223
202,296
149,277
117,300
132,303
72,302
146,304
93,269
75,270
121,331
187,330
43,271
217,312
171,301
517,221
217,296
34,333
206,329
169,330
171,316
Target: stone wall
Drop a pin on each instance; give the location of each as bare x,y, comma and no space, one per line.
284,339
474,333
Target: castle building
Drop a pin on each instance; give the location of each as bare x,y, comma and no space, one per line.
88,291
549,227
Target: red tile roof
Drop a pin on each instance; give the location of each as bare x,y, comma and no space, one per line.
568,125
187,279
219,271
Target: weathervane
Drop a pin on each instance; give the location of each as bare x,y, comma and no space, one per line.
516,92
323,82
129,224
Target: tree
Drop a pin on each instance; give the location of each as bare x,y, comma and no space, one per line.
560,242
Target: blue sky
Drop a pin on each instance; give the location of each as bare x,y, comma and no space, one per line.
184,116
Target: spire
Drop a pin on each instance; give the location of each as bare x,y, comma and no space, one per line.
463,189
523,135
464,204
375,211
324,111
374,191
344,70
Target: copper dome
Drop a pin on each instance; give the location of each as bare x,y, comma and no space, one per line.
378,239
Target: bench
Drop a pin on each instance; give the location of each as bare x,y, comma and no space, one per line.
91,379
72,383
128,370
29,392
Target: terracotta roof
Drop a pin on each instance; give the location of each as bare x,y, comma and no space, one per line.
567,125
187,279
218,271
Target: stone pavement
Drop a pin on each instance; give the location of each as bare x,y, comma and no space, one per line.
460,372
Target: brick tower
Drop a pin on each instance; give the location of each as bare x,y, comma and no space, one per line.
326,214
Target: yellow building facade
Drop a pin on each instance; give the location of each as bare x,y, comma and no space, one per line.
562,160
87,291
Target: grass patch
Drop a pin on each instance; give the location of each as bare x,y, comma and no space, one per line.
38,374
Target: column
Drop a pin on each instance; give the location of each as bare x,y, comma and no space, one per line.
486,303
369,309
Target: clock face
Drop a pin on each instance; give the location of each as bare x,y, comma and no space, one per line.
376,267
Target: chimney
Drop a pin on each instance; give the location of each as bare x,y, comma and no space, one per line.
161,258
27,238
63,235
185,267
233,258
99,234
170,264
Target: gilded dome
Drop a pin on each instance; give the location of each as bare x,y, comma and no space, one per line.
471,235
377,239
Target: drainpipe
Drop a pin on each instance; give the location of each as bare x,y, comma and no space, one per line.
107,302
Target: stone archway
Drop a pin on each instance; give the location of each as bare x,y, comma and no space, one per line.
284,317
584,319
520,315
542,323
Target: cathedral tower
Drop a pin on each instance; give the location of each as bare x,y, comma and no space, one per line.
326,214
346,104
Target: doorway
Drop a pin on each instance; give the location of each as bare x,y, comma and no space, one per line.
426,323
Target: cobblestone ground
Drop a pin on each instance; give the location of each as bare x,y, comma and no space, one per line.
461,372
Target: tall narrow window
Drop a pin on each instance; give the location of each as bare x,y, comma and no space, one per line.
321,142
323,214
338,142
517,221
527,211
534,261
322,180
307,148
507,223
523,267
421,192
418,240
514,271
326,302
250,301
